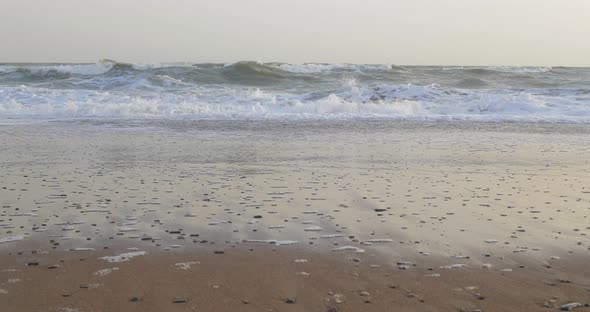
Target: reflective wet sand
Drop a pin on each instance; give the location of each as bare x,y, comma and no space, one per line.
431,205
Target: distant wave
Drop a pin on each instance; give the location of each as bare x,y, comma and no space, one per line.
100,68
243,67
312,68
110,89
515,69
502,69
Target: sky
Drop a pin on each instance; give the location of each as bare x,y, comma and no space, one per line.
408,32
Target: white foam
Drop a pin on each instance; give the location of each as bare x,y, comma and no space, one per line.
380,240
128,229
331,235
82,249
11,239
454,266
185,265
349,248
521,69
124,256
24,214
315,68
271,241
105,272
147,66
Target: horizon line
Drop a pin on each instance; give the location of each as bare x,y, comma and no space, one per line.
277,62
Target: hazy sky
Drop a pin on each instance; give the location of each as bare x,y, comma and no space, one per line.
443,32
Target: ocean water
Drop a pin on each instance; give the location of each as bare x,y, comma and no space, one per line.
252,90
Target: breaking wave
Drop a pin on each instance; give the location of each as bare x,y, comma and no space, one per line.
109,89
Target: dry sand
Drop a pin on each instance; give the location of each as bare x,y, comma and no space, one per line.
421,216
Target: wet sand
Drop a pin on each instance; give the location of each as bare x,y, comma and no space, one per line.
420,216
262,279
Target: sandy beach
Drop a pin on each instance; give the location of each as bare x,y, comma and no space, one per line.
294,156
188,215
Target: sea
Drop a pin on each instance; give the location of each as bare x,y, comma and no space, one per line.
279,91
